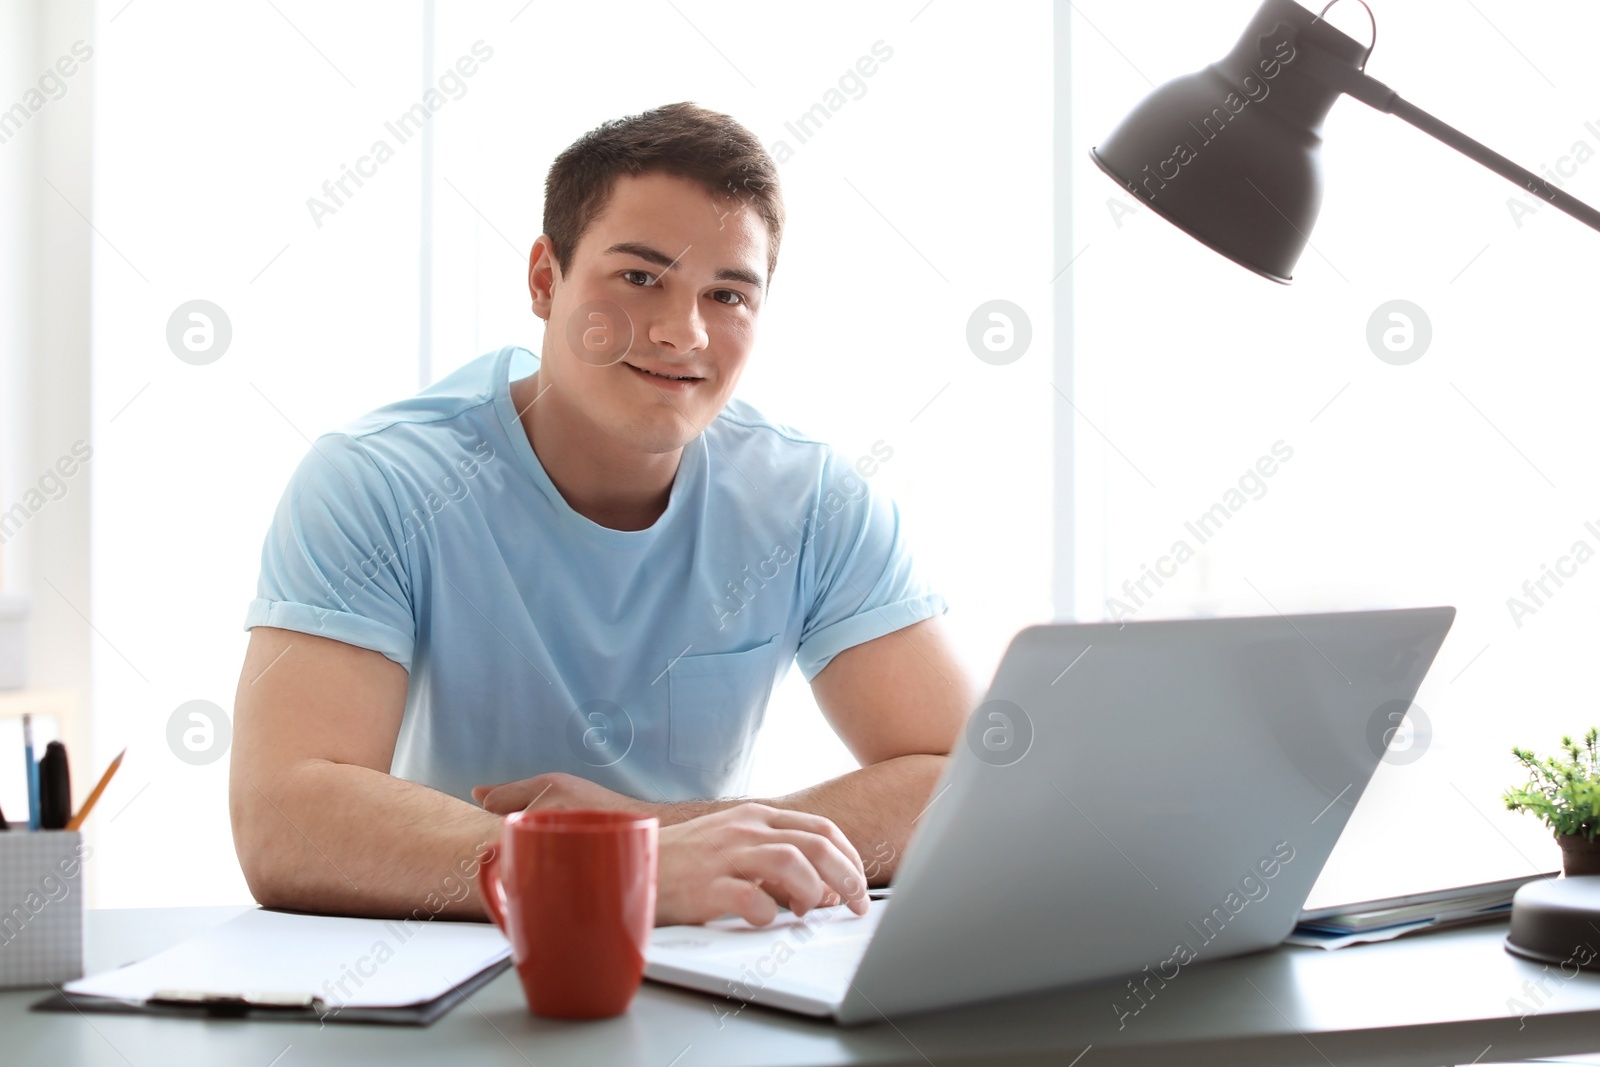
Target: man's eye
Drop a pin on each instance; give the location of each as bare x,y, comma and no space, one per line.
719,295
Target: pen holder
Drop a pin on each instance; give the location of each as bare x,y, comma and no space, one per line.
41,907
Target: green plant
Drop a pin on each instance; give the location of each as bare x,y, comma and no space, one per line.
1564,793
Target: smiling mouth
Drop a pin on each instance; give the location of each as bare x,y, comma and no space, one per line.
664,377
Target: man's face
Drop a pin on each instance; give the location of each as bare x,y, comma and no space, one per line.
647,333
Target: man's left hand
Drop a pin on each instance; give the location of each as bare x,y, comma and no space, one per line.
556,790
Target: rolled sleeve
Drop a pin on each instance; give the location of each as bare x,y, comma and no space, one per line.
332,564
865,582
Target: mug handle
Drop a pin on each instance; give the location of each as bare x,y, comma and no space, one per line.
494,894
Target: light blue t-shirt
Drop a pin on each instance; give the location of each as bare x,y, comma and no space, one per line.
538,640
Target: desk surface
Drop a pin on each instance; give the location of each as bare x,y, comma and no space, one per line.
1445,998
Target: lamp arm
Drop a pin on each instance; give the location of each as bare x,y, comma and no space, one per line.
1374,93
1502,166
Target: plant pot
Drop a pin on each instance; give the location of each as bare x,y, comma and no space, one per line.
1579,855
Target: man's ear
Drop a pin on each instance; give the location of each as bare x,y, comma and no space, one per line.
543,273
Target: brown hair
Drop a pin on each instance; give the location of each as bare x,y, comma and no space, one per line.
682,139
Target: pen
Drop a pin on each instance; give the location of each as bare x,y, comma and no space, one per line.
33,772
55,788
100,787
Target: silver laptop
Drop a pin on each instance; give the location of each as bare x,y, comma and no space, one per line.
1129,800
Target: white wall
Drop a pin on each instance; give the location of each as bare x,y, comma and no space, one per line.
46,247
216,125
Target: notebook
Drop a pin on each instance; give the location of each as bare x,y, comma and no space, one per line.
1384,920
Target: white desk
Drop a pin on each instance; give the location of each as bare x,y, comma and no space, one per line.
1437,999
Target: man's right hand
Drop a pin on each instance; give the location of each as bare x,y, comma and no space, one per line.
750,859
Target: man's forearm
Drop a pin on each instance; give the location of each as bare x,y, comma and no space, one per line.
337,838
875,806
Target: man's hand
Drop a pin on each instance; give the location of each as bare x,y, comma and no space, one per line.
744,859
557,790
749,859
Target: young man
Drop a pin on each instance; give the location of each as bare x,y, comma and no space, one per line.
578,588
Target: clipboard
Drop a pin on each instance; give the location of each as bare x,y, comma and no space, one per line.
271,1007
277,965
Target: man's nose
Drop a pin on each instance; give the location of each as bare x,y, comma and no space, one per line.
679,325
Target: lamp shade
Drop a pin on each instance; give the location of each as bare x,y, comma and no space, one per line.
1232,153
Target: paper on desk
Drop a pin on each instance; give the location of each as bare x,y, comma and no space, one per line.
1306,934
366,963
1333,939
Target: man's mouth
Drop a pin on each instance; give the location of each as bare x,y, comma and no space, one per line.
665,378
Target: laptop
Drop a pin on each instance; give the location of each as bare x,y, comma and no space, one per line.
1128,800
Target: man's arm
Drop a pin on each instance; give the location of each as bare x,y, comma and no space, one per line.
899,703
320,825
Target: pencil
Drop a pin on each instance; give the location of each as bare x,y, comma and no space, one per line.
99,787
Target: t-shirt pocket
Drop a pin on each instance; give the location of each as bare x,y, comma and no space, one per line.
717,702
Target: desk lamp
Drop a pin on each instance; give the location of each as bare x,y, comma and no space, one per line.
1232,154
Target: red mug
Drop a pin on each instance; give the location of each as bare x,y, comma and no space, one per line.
575,894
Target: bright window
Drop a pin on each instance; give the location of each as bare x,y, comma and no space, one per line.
918,192
927,191
1452,480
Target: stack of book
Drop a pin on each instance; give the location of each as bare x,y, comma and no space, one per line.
1381,920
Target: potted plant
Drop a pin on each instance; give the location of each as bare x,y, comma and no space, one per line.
1565,793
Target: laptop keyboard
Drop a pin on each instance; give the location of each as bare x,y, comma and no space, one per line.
818,952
